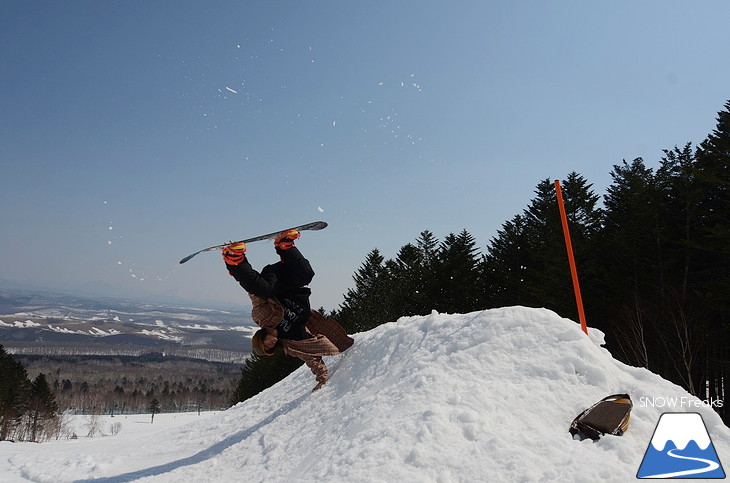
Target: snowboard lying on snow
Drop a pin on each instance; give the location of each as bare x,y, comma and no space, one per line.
610,415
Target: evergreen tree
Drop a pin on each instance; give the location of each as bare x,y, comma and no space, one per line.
713,243
585,221
366,306
457,276
14,389
545,276
713,173
42,408
547,279
682,322
427,245
261,372
527,262
501,269
409,276
678,199
631,252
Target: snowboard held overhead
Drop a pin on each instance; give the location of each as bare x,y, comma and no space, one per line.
316,225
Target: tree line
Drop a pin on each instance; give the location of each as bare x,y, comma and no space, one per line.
127,384
653,262
34,409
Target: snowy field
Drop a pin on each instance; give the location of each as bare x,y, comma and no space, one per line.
480,397
69,459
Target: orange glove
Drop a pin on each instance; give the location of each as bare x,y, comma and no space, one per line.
234,254
286,238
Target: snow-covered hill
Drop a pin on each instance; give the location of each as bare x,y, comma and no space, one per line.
486,396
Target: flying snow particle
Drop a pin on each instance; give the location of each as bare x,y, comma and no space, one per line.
231,90
111,228
108,242
319,208
334,123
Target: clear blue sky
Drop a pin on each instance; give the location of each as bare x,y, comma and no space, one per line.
135,132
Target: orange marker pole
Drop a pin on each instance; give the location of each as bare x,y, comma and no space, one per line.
571,259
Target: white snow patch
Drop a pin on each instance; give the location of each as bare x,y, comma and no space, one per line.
200,327
160,335
486,396
63,330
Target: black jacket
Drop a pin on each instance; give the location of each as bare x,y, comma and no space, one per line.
286,281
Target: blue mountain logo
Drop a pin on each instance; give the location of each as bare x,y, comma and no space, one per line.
681,448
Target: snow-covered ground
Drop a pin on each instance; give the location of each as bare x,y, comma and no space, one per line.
486,396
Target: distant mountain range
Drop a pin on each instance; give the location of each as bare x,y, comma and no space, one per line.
32,322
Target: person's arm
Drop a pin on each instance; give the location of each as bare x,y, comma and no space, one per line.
263,286
299,272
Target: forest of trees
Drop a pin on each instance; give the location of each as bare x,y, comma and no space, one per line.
127,384
104,385
653,260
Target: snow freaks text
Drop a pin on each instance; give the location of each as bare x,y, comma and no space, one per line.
677,402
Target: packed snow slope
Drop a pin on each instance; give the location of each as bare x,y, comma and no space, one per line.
486,396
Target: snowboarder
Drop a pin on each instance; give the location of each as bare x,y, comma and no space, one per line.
281,307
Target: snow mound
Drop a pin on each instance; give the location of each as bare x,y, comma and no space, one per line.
485,396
